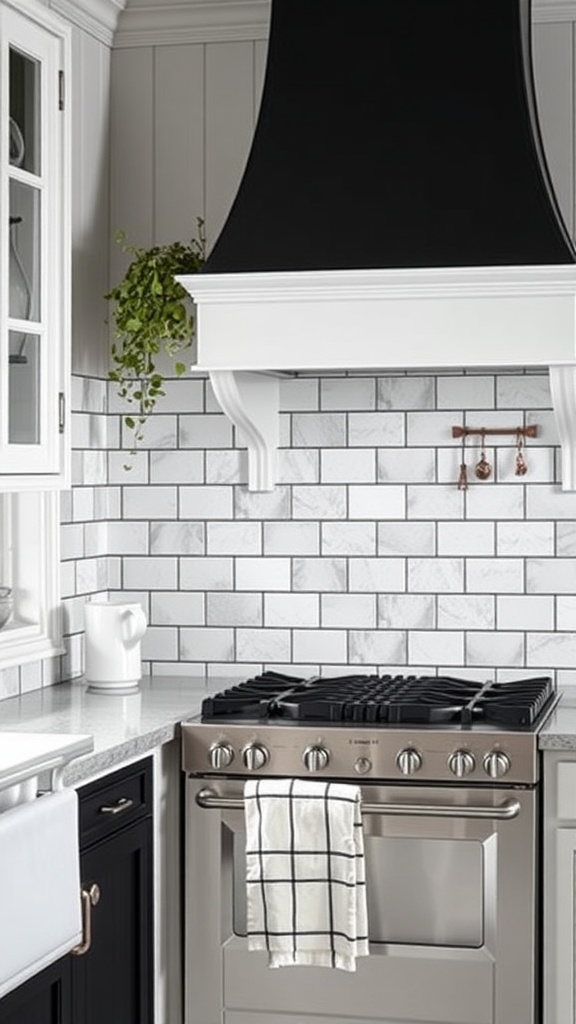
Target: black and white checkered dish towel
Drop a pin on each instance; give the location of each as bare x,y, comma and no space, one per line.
305,872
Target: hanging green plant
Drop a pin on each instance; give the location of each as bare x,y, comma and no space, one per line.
152,315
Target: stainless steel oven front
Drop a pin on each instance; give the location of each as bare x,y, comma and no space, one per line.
452,887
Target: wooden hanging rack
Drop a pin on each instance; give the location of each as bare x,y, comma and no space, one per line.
531,431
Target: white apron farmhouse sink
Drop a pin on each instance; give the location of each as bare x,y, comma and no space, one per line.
25,755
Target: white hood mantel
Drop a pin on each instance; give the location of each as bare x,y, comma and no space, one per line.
396,213
254,327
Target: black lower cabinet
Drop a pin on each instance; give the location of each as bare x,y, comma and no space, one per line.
112,982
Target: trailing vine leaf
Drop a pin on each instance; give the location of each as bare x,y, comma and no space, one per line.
152,315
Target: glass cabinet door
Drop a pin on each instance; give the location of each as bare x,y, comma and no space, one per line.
34,241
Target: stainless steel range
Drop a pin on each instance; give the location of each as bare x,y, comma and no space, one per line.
449,774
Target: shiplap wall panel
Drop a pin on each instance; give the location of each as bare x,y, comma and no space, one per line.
90,198
553,46
229,126
132,145
179,141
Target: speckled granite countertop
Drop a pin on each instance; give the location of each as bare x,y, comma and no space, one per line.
123,726
559,733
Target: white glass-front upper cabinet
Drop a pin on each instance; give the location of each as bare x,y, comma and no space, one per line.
34,246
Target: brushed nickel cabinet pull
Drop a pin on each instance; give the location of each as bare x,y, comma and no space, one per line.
121,805
90,896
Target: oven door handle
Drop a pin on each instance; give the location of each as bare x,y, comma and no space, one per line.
503,812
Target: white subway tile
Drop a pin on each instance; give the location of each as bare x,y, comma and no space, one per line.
318,430
291,610
67,579
170,609
271,645
465,538
550,575
263,574
150,502
234,538
495,575
150,573
434,501
94,467
377,575
565,539
83,504
137,471
377,646
348,393
523,391
328,645
565,615
204,431
534,538
319,574
404,465
525,612
406,611
494,649
226,466
470,392
488,500
550,502
405,392
375,429
263,504
91,575
299,394
183,393
30,677
233,609
379,501
283,538
176,467
546,426
199,643
71,541
205,502
346,465
298,466
406,539
319,502
465,611
159,431
350,611
426,647
551,650
348,538
435,575
95,539
127,538
206,574
429,429
181,538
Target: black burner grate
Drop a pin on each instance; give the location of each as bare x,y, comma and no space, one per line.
386,699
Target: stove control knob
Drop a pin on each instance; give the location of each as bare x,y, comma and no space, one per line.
220,755
409,761
316,758
461,763
254,757
496,764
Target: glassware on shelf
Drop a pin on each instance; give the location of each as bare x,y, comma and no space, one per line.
6,605
20,292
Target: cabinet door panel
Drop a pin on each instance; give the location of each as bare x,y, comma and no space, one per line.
112,983
44,999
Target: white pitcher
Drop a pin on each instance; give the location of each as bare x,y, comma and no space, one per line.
113,634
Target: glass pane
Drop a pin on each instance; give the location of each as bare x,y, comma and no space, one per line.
24,388
25,146
24,264
6,566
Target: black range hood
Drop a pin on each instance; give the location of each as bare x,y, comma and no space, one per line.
396,211
395,133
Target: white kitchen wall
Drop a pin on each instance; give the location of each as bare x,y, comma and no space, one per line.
366,554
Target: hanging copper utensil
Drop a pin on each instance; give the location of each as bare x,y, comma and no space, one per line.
483,469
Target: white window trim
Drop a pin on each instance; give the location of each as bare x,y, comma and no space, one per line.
30,537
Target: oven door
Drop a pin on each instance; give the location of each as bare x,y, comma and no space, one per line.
451,885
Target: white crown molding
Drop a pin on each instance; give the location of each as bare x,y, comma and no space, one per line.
553,11
154,23
99,18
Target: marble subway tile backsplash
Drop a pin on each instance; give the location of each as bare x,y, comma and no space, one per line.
365,556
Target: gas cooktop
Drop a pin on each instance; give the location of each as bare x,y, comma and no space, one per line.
384,700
